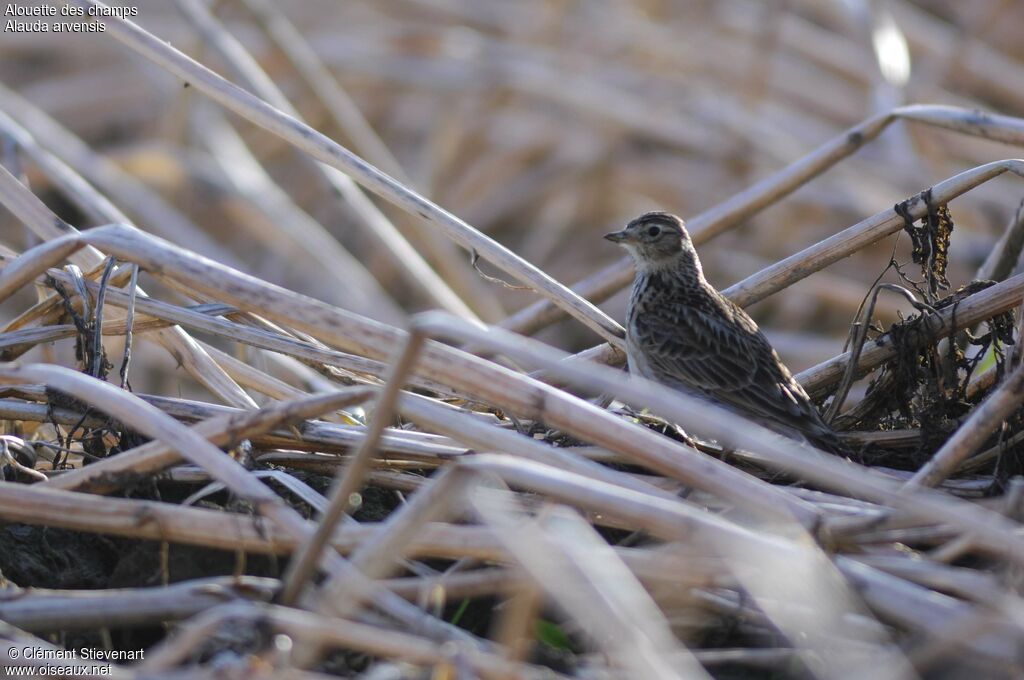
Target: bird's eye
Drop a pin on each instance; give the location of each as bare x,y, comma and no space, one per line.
654,231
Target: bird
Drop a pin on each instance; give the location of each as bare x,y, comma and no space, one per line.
683,333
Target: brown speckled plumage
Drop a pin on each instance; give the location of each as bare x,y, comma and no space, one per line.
683,333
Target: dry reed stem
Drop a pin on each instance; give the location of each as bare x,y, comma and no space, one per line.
266,384
489,382
201,320
974,463
316,436
739,207
825,470
298,371
253,378
856,343
796,267
800,265
325,87
349,479
50,309
975,308
15,343
910,605
245,68
965,583
30,210
483,436
441,498
117,518
901,585
566,557
669,519
334,272
985,418
102,476
76,169
154,521
438,499
74,186
906,604
148,420
330,153
481,582
330,632
42,610
150,520
1005,254
811,599
916,605
830,478
424,506
514,630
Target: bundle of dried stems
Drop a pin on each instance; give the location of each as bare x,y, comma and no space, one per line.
447,489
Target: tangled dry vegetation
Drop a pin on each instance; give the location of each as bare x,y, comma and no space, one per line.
265,467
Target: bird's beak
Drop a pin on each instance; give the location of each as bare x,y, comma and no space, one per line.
617,236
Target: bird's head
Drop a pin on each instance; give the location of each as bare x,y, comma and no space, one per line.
656,239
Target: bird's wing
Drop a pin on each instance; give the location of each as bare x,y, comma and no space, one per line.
724,357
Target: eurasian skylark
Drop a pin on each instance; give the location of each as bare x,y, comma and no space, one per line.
683,333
